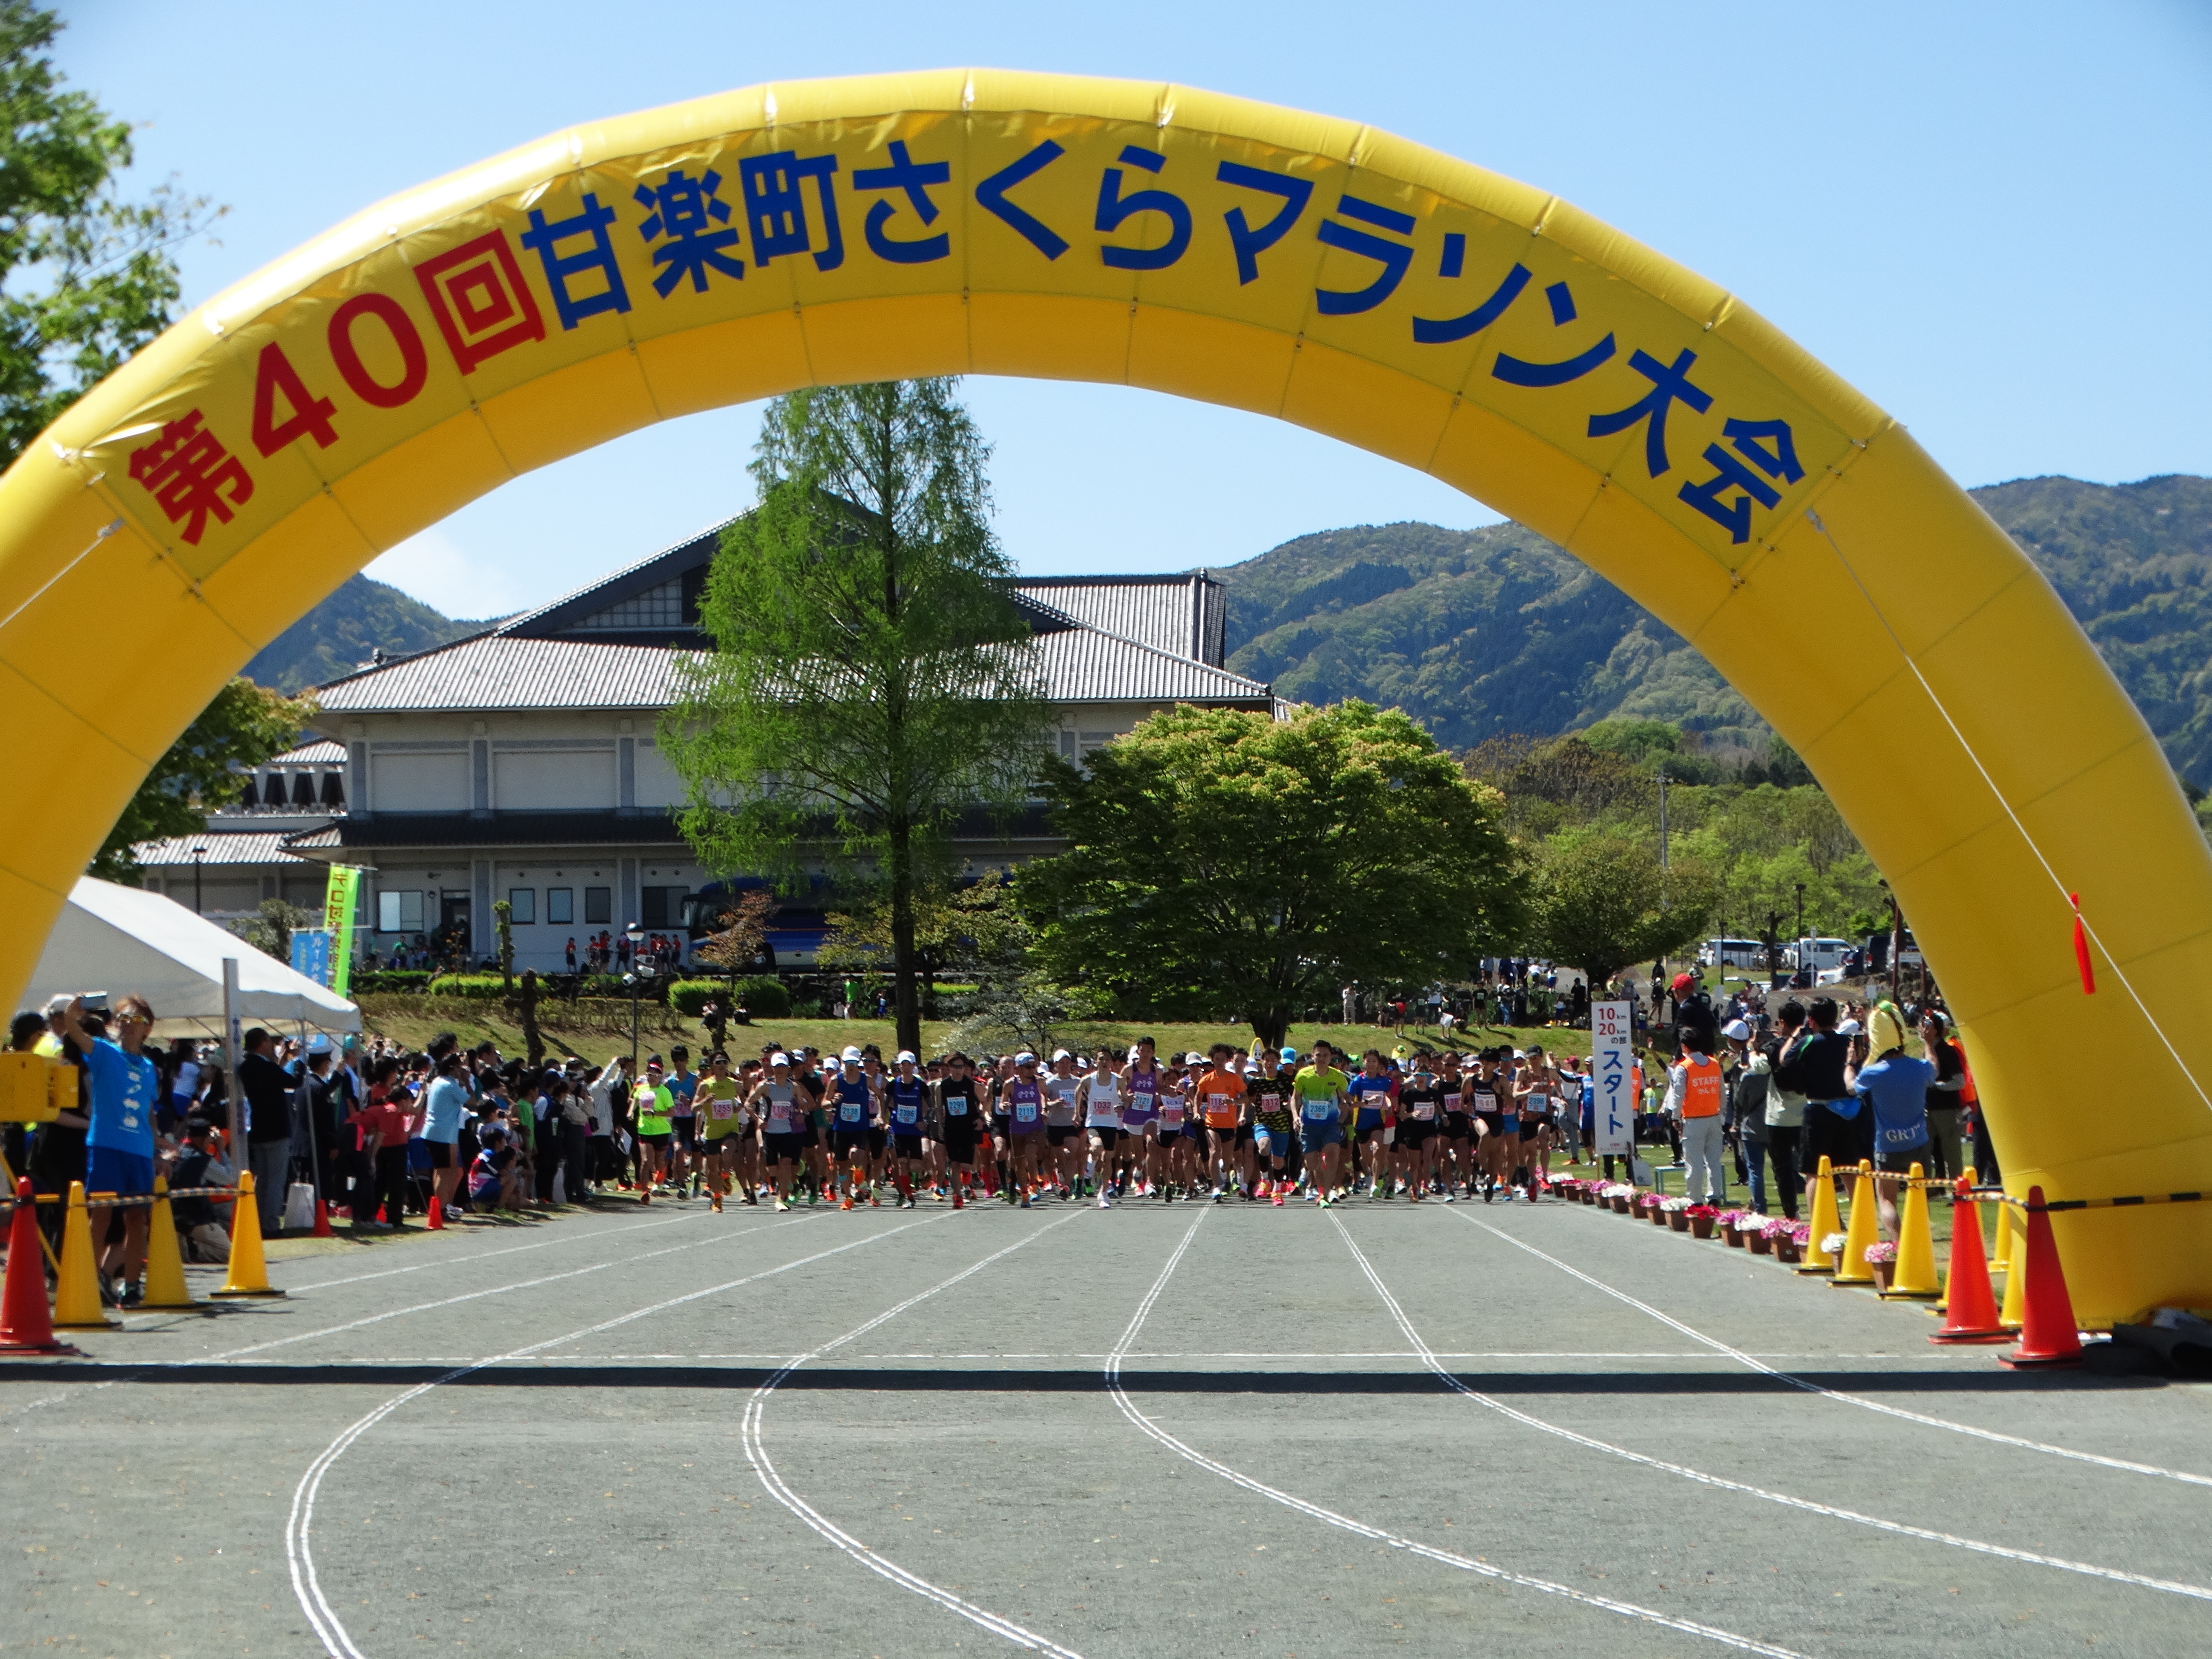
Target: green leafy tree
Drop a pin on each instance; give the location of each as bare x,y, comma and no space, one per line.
1019,1001
872,680
1225,859
270,928
1602,903
203,769
86,276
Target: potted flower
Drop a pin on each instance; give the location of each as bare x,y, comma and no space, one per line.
1725,1224
1749,1231
1881,1262
1701,1220
1770,1229
1655,1208
1678,1214
1620,1195
1790,1243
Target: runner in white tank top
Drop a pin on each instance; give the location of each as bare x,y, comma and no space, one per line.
1099,1098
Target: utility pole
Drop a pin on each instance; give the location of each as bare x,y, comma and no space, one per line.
1662,820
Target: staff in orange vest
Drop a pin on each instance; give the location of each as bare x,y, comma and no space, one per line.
1702,1148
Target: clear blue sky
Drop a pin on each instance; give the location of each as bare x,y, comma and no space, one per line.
1994,219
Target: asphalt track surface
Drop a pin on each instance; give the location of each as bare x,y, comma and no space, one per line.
1160,1430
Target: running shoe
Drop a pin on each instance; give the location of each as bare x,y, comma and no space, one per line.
716,1204
782,1205
1102,1203
1276,1198
1025,1201
956,1201
848,1204
874,1203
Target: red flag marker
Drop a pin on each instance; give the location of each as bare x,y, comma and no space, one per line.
2082,950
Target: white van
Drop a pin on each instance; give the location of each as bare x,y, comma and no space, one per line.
1817,955
1730,953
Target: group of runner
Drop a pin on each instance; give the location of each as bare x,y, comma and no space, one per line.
1266,1126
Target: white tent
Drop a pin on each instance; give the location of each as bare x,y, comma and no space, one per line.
121,940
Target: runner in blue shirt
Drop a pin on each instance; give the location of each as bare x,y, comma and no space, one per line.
119,1142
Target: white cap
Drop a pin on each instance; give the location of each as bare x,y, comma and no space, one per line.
851,1057
779,1060
1849,1028
905,1057
1736,1031
1193,1058
1059,1055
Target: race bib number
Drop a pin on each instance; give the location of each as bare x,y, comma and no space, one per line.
907,1112
1426,1109
779,1117
719,1108
1540,1102
1025,1111
1319,1109
1171,1112
956,1105
852,1111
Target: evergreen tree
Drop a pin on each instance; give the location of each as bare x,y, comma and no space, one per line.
872,681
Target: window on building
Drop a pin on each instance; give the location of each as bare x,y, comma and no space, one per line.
599,905
662,906
1087,741
561,906
399,913
522,905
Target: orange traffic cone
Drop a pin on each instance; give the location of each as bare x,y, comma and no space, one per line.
436,1222
1972,1313
2048,1336
26,1325
322,1221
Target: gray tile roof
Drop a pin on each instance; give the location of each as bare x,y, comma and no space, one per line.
1180,614
494,671
322,751
243,847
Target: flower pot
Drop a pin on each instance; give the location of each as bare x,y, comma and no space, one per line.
1658,1216
1785,1250
1761,1244
1588,1196
1883,1273
1620,1205
1679,1220
1701,1226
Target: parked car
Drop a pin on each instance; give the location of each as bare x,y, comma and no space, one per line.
1730,953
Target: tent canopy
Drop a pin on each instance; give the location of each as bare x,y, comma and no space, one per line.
122,941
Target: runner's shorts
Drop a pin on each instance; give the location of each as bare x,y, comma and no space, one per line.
1057,1133
127,1174
1415,1133
784,1149
1110,1135
907,1146
1314,1136
686,1131
960,1140
1275,1142
843,1143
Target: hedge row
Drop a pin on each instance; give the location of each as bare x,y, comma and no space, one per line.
764,997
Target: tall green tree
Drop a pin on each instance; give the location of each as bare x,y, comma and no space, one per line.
1224,860
86,276
1602,903
872,681
203,769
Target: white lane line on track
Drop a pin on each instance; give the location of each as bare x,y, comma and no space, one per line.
1427,1552
471,1257
299,1551
231,1355
1756,1364
1898,1529
757,1454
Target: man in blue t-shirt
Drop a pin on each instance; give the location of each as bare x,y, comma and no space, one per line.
1894,1088
119,1142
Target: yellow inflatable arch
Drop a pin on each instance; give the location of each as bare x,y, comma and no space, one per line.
613,275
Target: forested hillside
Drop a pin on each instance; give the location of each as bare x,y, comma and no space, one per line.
1484,632
338,634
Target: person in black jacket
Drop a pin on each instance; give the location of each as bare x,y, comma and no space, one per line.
1816,1066
268,1093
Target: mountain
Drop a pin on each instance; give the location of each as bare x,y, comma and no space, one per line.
1479,633
338,634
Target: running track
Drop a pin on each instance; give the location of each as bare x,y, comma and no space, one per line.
1159,1430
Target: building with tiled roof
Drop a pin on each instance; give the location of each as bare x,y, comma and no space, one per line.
521,762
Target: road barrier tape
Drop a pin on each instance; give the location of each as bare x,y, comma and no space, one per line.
110,1202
